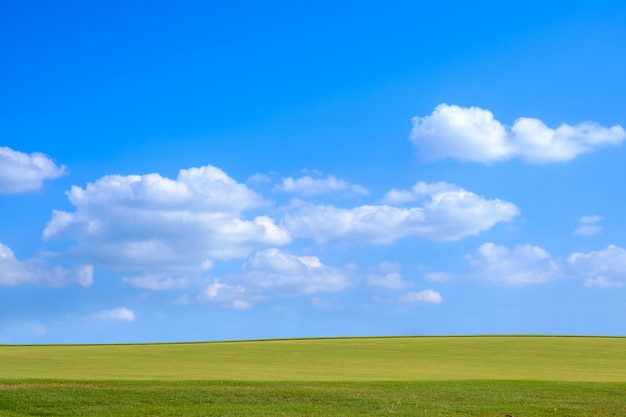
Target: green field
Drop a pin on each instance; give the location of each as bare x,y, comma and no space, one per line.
436,376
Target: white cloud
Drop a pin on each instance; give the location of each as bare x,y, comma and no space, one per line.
473,134
525,264
154,225
309,186
15,272
588,230
420,191
590,219
604,268
20,172
259,178
272,270
235,296
448,213
528,264
391,281
588,226
116,314
158,282
439,276
272,273
602,282
389,277
422,297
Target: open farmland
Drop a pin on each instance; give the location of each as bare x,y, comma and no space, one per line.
573,376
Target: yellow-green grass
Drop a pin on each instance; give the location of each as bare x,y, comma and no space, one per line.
591,359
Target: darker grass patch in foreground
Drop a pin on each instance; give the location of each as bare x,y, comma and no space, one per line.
215,398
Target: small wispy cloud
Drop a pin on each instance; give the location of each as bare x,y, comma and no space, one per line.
422,297
14,272
602,282
116,314
309,186
588,226
388,277
439,276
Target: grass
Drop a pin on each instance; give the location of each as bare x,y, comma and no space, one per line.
214,398
430,376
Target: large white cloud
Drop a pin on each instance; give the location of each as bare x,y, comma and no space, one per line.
309,186
473,134
447,213
149,224
20,172
15,272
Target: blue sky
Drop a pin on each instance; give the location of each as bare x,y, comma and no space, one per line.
232,170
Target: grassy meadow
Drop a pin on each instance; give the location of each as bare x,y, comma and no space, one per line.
434,376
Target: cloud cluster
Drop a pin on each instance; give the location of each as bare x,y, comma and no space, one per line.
15,272
149,223
21,172
473,134
166,234
528,264
447,213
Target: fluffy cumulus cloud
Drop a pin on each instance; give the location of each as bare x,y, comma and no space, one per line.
525,264
21,172
447,212
272,270
273,273
422,297
473,134
603,268
309,186
15,272
116,314
528,264
149,224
